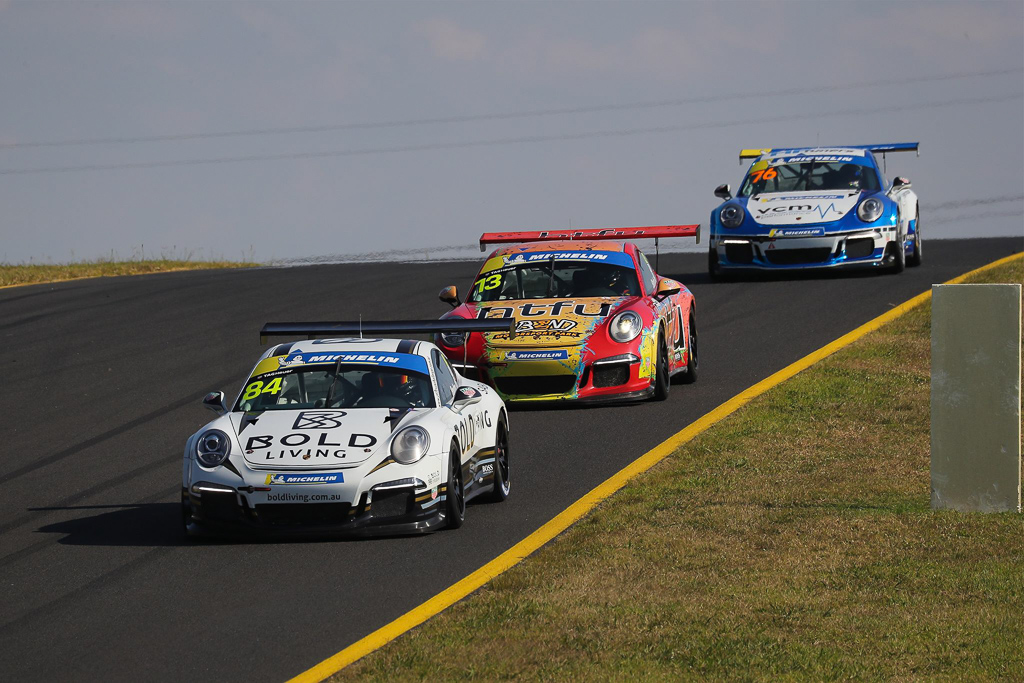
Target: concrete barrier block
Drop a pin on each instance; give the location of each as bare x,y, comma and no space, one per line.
976,397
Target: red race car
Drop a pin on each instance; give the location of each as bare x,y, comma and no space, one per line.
594,322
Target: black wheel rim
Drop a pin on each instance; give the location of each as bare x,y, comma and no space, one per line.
501,459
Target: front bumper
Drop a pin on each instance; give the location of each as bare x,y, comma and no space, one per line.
212,504
858,249
621,378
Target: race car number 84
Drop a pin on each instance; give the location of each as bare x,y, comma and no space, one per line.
256,388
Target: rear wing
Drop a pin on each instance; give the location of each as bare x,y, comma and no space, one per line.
315,330
882,149
652,232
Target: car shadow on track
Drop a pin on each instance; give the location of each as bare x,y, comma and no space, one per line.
702,277
143,524
155,525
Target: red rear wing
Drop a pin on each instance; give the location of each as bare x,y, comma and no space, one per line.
653,232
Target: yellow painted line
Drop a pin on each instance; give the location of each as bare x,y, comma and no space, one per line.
574,512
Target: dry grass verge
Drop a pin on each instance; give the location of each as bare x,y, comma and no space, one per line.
41,273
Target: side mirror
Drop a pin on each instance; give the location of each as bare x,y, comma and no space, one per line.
215,402
666,287
449,295
724,192
900,181
465,396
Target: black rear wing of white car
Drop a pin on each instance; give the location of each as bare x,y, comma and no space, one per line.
388,328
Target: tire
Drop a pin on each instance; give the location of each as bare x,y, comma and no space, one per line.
186,515
661,376
692,359
455,494
899,261
501,481
714,271
915,260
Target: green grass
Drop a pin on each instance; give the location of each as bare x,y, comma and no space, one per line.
38,273
793,540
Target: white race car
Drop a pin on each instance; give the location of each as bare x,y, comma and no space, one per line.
348,436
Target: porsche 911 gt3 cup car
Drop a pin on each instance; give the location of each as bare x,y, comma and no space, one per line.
348,435
816,207
594,322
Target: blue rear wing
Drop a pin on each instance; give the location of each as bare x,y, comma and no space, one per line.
878,149
892,147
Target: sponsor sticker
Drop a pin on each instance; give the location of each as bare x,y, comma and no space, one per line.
302,479
803,197
559,354
618,258
796,232
829,159
318,419
818,151
403,361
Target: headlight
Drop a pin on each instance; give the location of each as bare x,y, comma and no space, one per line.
453,338
410,444
213,448
625,326
731,216
870,210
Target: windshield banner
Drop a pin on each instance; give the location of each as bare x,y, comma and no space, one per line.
402,361
617,258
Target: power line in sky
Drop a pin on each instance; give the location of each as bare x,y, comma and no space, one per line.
867,111
704,99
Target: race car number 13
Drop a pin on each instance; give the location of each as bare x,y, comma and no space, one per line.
489,282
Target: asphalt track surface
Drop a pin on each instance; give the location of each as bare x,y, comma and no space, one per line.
102,384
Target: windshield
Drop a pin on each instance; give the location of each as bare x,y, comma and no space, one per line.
336,386
808,176
556,279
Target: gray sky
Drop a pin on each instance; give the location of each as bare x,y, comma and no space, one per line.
749,75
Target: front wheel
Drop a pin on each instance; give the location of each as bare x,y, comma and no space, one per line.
714,270
501,481
455,494
897,256
661,378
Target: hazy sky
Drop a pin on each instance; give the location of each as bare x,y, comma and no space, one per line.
674,89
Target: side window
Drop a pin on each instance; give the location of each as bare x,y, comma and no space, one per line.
650,279
446,383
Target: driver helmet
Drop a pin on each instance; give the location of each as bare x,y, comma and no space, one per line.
849,176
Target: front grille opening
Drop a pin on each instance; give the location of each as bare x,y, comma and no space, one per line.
536,385
391,503
860,247
739,253
611,375
304,514
795,256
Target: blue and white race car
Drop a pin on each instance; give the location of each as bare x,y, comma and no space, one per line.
816,207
